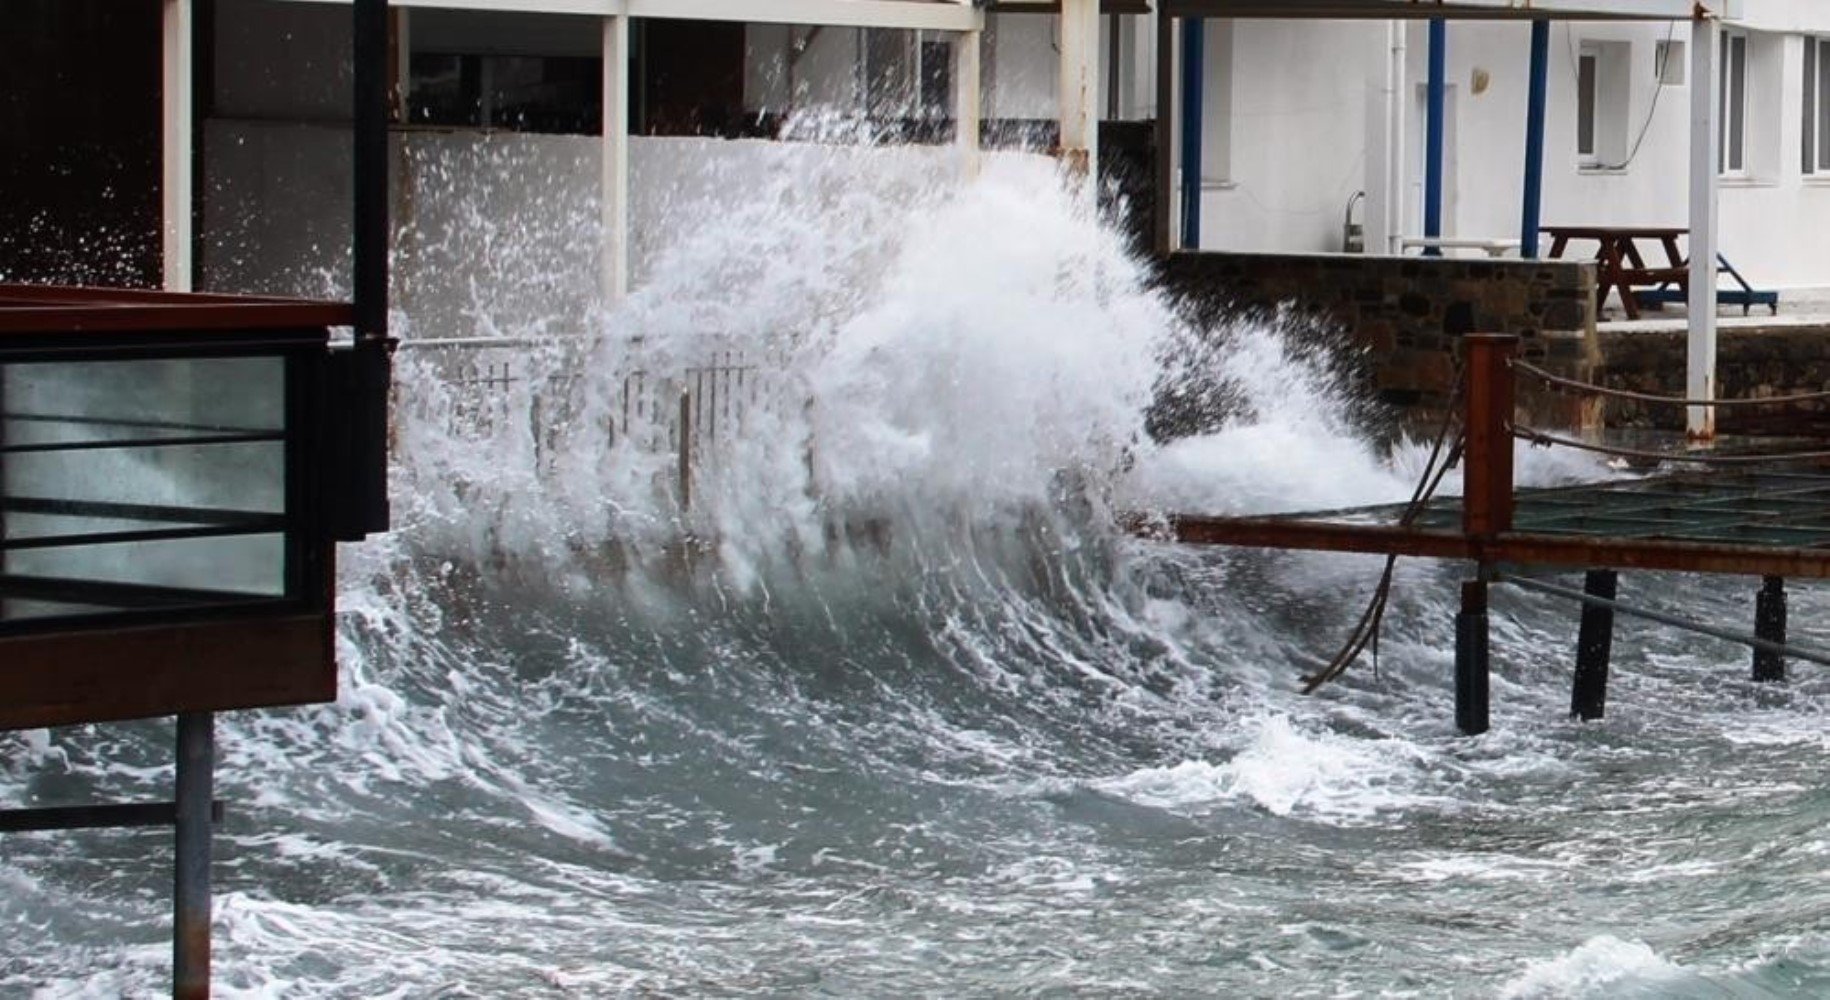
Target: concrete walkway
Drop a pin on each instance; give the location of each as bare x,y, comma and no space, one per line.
1804,307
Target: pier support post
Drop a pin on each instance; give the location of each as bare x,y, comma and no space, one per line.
1770,624
1487,460
1471,666
1594,645
191,884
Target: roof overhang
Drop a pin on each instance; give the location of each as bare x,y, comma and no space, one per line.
1522,10
927,15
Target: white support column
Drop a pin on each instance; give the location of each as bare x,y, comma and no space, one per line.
1705,141
614,189
1080,86
966,96
175,179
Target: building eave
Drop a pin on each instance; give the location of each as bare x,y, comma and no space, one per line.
926,15
1584,10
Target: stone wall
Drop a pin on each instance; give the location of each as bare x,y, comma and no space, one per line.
1409,313
1750,363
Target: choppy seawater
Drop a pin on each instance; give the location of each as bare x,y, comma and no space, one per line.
921,722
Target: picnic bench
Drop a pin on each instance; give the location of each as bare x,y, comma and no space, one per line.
1622,268
1746,296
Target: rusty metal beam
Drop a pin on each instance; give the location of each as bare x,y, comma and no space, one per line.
1515,548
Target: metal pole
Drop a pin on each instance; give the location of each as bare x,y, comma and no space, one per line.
1163,155
191,885
1194,74
176,133
1487,459
372,375
1705,142
1594,646
1472,681
1115,59
1433,137
1531,219
1770,625
613,185
686,450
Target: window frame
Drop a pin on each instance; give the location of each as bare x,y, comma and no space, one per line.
1731,131
1814,144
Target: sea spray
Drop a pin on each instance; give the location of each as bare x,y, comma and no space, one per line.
891,708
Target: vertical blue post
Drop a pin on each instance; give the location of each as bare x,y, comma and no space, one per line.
1194,76
1531,217
1433,136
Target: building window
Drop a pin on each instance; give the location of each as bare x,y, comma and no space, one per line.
1603,95
1668,63
524,93
1732,158
1588,72
1816,145
906,85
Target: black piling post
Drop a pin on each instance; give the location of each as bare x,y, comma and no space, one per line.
1770,624
1594,645
1471,667
191,895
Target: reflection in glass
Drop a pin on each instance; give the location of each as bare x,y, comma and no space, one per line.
141,484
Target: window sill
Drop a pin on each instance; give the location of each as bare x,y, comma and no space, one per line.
1816,180
1745,182
1597,171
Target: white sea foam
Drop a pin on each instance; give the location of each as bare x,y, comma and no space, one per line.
1287,771
1602,966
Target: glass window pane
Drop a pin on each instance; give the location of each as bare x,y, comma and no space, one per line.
1809,145
1823,105
1585,105
1737,103
121,477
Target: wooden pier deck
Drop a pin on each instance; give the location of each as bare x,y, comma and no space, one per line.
1759,515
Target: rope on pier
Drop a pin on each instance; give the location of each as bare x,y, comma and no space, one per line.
1558,381
1366,630
1543,439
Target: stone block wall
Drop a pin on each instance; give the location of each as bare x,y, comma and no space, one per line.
1750,363
1409,313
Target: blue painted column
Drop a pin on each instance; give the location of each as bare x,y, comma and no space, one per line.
1433,135
1531,217
1194,77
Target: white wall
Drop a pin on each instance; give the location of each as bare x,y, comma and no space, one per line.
1299,140
1773,220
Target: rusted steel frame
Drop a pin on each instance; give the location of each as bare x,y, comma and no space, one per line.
210,316
1683,557
84,295
108,816
1487,457
1586,551
1315,536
